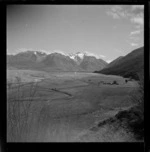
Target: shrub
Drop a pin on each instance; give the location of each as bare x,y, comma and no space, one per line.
115,82
134,117
18,111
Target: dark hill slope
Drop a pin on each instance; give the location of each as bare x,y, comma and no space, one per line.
128,66
114,62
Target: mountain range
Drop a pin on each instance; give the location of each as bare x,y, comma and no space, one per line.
55,61
130,65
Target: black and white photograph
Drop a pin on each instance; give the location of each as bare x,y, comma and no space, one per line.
75,73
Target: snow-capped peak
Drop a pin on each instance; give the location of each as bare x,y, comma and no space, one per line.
75,55
81,55
72,57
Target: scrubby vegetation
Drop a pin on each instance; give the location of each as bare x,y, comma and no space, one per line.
115,82
131,120
18,112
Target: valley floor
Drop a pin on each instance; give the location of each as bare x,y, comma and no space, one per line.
66,107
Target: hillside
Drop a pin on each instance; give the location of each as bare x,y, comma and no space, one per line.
59,62
114,62
128,66
92,64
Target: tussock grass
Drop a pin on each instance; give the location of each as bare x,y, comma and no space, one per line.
19,112
130,121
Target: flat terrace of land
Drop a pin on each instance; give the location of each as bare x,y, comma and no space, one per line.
66,105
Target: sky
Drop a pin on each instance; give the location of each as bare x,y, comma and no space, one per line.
108,31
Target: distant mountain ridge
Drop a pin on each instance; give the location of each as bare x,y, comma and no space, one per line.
128,66
55,61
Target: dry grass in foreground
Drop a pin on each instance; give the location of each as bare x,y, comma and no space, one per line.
19,112
125,126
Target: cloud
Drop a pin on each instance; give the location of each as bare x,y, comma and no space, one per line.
134,44
117,12
59,51
23,49
135,7
134,13
18,50
44,51
135,35
138,20
134,38
135,32
114,15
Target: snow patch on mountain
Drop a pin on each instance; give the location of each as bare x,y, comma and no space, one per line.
81,55
72,57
